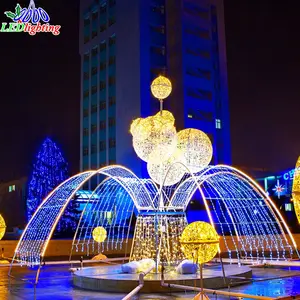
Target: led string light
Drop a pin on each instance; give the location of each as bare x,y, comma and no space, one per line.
36,235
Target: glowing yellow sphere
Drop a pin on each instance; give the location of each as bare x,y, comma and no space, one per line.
196,148
165,117
161,87
151,134
2,227
200,242
99,234
165,172
296,190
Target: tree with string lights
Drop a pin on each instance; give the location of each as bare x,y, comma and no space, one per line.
49,170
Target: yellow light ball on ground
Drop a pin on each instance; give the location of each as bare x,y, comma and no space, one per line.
99,234
200,242
196,148
2,227
161,87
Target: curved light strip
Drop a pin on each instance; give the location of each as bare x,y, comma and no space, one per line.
273,206
36,251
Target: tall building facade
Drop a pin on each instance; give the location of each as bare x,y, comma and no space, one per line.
124,45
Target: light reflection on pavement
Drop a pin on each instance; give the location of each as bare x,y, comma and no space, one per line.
56,284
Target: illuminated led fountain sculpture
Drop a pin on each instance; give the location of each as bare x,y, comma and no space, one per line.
177,163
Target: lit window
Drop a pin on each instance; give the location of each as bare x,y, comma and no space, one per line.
11,188
288,206
190,116
218,124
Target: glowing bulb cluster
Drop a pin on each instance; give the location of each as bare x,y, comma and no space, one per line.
156,141
161,87
296,190
2,227
200,242
99,234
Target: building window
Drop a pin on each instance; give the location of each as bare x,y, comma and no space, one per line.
94,89
85,113
112,40
111,80
94,71
158,9
94,15
86,57
93,128
218,124
198,32
102,66
112,100
200,115
86,76
288,207
112,143
86,93
94,33
111,20
95,51
102,46
102,27
85,132
112,3
86,39
196,11
85,151
199,94
87,22
197,72
158,29
102,105
158,50
102,146
94,149
111,122
102,85
112,60
103,8
198,52
102,125
11,188
94,108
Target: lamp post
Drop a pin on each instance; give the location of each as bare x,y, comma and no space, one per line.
200,240
161,88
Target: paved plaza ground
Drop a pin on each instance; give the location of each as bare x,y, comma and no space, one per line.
56,284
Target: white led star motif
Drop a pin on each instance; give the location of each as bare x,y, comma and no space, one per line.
279,189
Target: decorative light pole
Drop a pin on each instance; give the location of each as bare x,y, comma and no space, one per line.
200,243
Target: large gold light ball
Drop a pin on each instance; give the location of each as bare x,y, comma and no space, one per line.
200,242
196,148
2,227
296,190
165,172
153,134
165,117
99,234
161,87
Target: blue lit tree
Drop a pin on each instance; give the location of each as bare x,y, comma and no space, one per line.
49,170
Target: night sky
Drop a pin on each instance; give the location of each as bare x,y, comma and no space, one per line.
40,86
